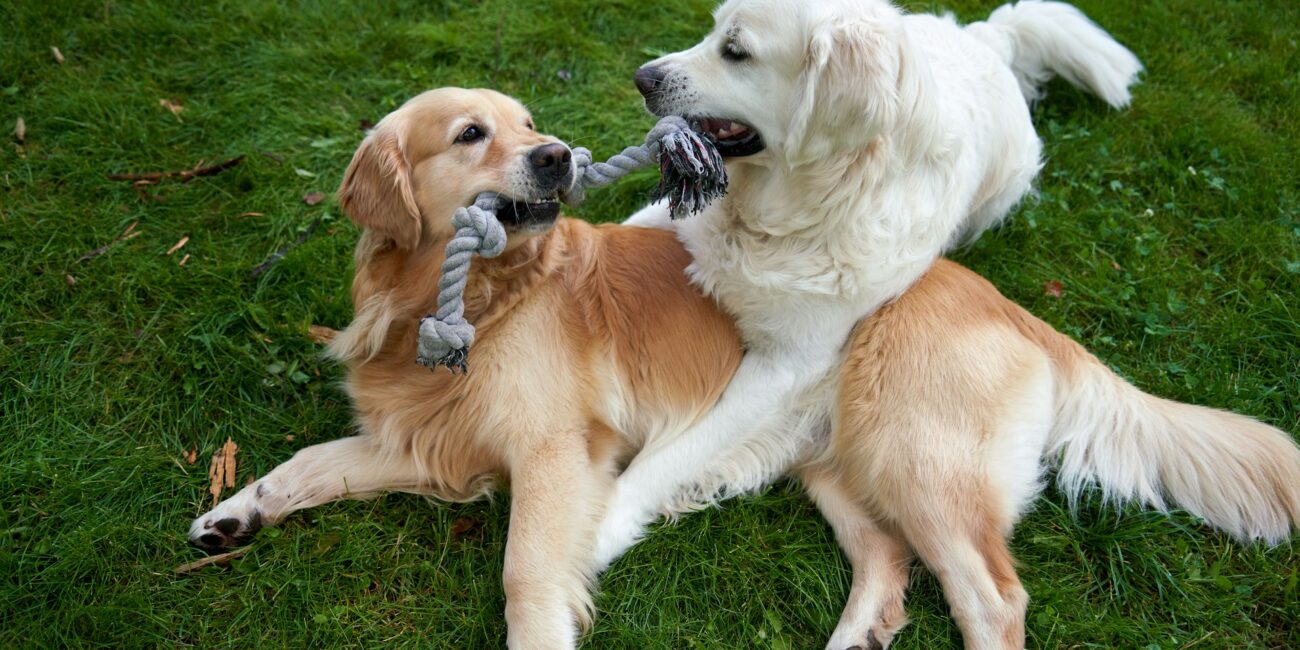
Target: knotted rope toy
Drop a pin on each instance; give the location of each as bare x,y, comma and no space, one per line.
691,175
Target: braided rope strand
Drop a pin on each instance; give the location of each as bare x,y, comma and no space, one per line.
445,337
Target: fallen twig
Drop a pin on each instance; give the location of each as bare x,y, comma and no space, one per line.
220,558
279,255
177,246
129,233
186,175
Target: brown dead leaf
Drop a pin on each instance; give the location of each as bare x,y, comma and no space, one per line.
58,56
1115,265
20,131
175,107
464,527
288,437
1053,288
192,456
72,282
179,244
222,470
321,334
312,198
184,260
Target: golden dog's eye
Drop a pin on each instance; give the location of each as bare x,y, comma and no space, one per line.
472,133
732,52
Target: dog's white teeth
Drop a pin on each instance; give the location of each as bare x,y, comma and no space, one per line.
731,130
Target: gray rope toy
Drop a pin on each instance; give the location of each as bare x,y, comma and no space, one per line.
691,175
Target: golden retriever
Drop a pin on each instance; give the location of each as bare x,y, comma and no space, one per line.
590,343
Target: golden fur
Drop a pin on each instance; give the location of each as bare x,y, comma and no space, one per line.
948,398
590,341
568,322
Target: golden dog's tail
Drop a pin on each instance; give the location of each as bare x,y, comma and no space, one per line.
1040,40
1239,474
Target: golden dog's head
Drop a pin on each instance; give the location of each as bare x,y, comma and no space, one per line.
442,148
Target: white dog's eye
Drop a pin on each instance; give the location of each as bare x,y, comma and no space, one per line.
732,52
472,133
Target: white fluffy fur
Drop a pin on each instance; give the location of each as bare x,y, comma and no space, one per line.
1040,40
889,138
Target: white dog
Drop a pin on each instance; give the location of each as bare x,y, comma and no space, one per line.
862,143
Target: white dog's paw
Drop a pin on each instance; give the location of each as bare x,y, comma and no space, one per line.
622,526
232,523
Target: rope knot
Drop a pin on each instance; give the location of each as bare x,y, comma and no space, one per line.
445,336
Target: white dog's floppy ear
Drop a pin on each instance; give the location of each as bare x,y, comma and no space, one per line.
848,90
376,190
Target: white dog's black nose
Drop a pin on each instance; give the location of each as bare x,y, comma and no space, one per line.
551,162
649,79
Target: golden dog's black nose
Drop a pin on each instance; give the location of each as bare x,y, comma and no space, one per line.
550,158
648,79
551,164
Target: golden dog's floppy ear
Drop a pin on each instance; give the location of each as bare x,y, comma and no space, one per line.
376,190
848,89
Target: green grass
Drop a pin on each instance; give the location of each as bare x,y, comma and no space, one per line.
1174,228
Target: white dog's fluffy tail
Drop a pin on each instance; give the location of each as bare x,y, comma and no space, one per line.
1042,39
1240,475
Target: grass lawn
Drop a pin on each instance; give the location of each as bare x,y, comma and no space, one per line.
1173,229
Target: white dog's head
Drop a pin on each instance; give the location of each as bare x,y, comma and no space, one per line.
794,80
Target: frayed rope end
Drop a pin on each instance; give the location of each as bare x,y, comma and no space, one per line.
691,173
457,361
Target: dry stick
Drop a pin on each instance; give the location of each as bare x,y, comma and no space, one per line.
126,234
279,255
186,175
220,558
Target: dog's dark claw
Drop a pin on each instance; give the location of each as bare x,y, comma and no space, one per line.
209,542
